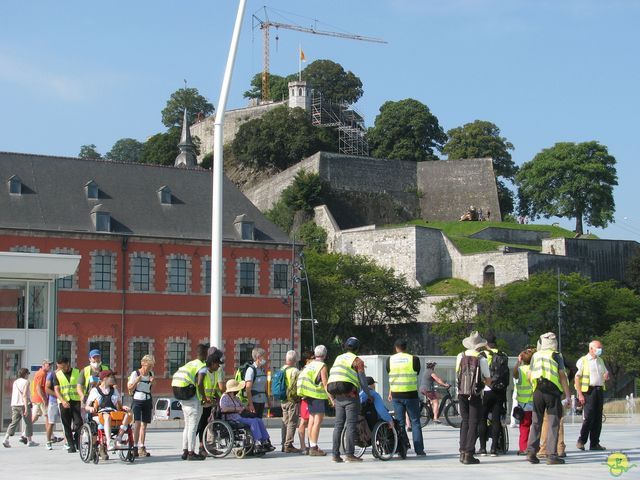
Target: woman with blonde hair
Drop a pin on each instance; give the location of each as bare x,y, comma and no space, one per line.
139,385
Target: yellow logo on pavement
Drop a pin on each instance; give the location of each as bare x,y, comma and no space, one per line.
618,464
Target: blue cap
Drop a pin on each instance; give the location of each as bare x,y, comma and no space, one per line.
95,353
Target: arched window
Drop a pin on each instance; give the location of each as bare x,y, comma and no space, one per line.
299,92
489,275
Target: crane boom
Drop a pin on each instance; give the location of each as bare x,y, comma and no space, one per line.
265,25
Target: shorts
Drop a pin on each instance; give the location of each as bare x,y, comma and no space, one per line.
39,409
432,395
53,414
317,406
142,410
304,410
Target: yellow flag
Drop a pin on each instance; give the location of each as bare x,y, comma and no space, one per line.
302,57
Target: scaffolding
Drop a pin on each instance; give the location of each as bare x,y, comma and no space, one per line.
344,118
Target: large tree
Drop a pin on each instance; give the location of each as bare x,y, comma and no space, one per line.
622,351
571,180
126,150
189,98
89,151
331,79
161,148
406,130
280,138
278,87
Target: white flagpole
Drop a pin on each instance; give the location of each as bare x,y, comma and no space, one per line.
299,62
215,320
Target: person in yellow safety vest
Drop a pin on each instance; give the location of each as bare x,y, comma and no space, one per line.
403,370
346,379
470,403
90,375
290,405
64,385
524,396
590,384
213,387
188,387
312,387
549,381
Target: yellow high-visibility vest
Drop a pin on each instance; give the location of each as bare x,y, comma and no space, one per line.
544,366
87,375
585,379
68,388
306,386
402,376
524,389
341,371
186,374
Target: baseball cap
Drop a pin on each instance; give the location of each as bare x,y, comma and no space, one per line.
46,360
370,381
106,373
95,353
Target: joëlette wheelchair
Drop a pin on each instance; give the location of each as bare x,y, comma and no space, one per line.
93,439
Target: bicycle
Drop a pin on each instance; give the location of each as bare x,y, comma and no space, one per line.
448,408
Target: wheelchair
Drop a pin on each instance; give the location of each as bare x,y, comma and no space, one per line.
93,438
221,436
384,441
503,434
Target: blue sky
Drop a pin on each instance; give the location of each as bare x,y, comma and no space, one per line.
78,72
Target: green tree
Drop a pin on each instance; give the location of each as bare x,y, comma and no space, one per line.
571,180
633,272
189,98
505,198
354,296
331,79
406,130
279,139
278,87
622,351
161,148
313,237
89,151
125,150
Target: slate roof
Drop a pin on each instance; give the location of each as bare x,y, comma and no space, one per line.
54,199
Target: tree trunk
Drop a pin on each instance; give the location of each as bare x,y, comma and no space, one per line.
579,223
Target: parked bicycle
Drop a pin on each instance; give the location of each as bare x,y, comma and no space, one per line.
448,409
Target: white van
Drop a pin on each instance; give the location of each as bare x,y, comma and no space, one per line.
168,409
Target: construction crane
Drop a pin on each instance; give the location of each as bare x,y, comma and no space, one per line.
266,24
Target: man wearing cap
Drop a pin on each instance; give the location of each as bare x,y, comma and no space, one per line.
90,375
470,403
549,381
378,404
403,372
346,378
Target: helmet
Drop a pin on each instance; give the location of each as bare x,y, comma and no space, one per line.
352,343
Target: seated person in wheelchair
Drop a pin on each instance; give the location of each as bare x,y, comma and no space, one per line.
232,409
104,401
379,411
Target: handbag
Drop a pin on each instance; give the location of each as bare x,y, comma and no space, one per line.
518,413
247,414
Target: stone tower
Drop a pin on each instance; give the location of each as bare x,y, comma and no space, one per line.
187,155
299,95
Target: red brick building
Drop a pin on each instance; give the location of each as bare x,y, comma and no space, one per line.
143,282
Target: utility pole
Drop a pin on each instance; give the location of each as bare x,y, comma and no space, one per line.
559,314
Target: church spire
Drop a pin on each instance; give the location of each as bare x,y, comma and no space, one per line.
187,156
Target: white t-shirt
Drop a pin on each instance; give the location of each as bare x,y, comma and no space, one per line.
20,393
95,395
597,369
143,388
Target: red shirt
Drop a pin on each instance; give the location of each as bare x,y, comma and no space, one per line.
40,378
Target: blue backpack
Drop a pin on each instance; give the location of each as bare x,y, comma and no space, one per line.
279,384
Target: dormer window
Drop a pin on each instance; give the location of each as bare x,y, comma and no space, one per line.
244,227
91,189
15,185
101,219
164,194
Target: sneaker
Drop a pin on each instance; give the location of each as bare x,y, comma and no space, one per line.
437,420
6,444
352,459
202,452
49,445
316,452
461,457
291,449
23,439
112,445
554,460
142,452
493,453
421,454
597,447
32,444
195,456
562,454
66,446
580,445
57,439
336,459
136,454
532,458
482,452
305,451
185,454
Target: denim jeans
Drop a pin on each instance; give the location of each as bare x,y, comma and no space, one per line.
347,411
412,407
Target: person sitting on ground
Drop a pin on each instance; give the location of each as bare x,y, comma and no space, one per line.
232,409
428,388
105,402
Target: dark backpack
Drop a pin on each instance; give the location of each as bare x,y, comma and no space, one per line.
499,369
279,384
469,381
240,374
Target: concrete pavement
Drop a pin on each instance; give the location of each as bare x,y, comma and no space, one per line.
441,461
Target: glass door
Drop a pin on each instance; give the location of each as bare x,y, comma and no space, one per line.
9,365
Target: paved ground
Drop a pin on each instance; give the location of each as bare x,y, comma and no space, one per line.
441,461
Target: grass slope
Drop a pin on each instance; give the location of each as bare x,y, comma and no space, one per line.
448,286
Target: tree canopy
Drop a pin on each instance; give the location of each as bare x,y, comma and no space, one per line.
279,139
161,148
278,87
125,150
89,151
571,180
331,79
189,98
406,130
621,347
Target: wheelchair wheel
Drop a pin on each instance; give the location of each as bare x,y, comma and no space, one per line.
244,442
358,450
86,446
503,445
384,441
126,451
452,414
218,439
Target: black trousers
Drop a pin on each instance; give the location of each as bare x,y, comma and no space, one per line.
592,410
204,421
492,403
71,416
470,411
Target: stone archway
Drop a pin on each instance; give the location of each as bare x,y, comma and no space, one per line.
489,276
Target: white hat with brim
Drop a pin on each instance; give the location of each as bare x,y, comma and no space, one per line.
548,341
474,341
234,386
